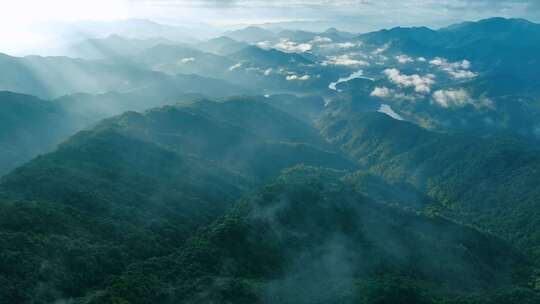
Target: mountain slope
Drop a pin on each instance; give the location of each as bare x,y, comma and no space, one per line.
113,46
51,77
132,189
268,58
251,34
244,135
29,126
495,44
511,32
97,204
134,28
138,210
174,59
221,46
308,238
486,182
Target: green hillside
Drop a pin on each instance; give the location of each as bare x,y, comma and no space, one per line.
308,238
488,182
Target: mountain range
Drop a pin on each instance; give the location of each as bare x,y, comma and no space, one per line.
274,166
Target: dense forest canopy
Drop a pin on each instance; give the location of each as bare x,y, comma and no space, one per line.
273,163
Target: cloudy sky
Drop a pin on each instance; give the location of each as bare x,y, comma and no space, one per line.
22,22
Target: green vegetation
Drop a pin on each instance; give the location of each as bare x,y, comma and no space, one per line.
156,179
29,126
490,183
239,202
308,238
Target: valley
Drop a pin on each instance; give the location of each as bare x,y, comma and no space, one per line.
269,165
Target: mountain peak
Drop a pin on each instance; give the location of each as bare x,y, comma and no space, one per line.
222,39
491,24
332,30
251,34
504,20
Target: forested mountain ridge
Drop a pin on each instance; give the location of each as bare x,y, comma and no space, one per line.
28,126
53,77
140,209
307,238
488,182
273,165
238,133
124,192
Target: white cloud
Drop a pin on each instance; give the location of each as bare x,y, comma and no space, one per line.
285,45
457,70
289,46
462,74
341,45
421,84
382,92
236,66
295,77
404,59
443,63
452,98
186,60
253,69
349,45
437,61
459,98
327,43
321,40
266,45
381,49
386,109
268,72
344,60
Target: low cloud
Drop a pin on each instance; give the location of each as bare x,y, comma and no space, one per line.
266,45
386,93
459,98
186,60
344,60
321,40
381,49
382,92
462,74
295,77
289,46
421,84
404,59
327,43
457,70
285,45
452,98
341,45
234,67
253,69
